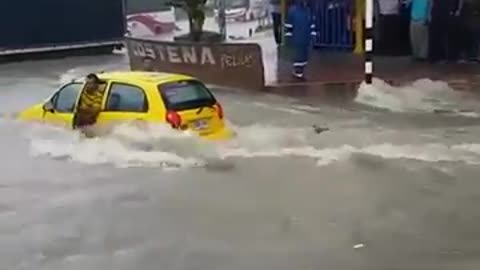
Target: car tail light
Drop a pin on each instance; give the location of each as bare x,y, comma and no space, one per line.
174,119
219,109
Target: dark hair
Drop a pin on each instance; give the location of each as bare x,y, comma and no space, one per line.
93,77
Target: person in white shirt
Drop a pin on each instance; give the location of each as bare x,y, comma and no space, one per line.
389,24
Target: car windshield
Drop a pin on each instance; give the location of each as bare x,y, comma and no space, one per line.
185,95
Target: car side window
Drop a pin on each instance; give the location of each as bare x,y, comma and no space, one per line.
126,98
65,99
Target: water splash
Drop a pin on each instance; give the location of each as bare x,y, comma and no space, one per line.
159,146
126,146
421,96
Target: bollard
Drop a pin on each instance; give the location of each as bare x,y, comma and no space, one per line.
368,41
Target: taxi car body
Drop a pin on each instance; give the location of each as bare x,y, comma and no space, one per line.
181,101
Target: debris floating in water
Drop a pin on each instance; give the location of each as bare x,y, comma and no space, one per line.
357,246
319,130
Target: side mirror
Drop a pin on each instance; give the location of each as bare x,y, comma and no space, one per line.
48,107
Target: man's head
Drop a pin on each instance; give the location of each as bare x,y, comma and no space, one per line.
92,82
148,64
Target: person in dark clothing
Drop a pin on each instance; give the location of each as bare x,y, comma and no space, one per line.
438,35
472,23
389,22
445,33
276,20
457,34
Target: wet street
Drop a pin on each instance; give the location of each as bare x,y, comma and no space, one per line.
392,185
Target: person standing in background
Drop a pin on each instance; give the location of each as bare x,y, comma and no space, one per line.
275,6
472,18
299,29
389,22
403,37
419,20
457,36
438,40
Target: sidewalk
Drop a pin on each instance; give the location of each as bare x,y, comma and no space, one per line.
347,67
337,75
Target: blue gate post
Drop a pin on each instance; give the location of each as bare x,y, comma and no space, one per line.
334,24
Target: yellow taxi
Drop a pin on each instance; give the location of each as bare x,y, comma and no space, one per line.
181,101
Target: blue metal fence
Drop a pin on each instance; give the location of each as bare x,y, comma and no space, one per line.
334,24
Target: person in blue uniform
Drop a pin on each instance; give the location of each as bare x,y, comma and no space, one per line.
299,29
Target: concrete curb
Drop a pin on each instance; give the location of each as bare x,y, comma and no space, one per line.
347,90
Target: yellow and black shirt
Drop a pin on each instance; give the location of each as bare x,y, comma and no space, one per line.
92,100
89,106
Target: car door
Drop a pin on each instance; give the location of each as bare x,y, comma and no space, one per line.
124,103
59,109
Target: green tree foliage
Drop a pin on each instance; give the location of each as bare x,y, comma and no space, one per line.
195,10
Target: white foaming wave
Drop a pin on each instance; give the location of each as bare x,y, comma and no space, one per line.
159,146
121,148
107,151
423,95
466,153
469,154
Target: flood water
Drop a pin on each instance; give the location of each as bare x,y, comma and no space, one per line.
392,185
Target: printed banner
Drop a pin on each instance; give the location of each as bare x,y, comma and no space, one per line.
237,65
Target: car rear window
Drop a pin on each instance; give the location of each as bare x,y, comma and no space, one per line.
184,95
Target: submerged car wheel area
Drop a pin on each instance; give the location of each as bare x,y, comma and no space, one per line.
180,101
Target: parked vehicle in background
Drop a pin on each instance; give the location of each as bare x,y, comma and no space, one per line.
147,24
244,10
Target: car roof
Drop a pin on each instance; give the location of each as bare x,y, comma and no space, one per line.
142,76
139,77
